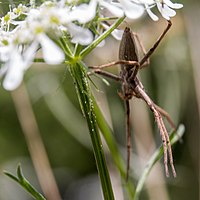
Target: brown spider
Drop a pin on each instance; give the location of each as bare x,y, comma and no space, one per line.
132,86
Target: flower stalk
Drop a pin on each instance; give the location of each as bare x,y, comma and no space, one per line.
83,92
90,47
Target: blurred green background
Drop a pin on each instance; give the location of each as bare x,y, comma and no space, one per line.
173,82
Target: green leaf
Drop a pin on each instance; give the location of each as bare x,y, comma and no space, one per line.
19,173
20,179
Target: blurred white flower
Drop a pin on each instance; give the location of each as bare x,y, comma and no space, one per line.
84,12
21,9
6,43
113,7
13,70
19,61
10,17
132,9
52,54
165,7
79,34
119,8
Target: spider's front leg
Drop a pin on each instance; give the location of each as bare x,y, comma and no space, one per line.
99,69
154,47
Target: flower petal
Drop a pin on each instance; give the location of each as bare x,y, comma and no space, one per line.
117,34
147,2
84,13
113,8
14,73
4,53
132,10
151,14
51,52
79,34
165,11
29,54
173,5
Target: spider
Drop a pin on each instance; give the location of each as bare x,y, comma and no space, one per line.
132,87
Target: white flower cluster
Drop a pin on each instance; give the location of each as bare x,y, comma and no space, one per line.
24,30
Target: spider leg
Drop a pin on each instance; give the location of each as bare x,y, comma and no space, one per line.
166,115
163,131
128,135
106,74
169,149
122,62
125,63
153,48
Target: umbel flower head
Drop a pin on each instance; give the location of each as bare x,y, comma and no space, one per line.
24,30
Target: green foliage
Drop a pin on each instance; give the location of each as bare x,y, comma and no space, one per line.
101,165
21,180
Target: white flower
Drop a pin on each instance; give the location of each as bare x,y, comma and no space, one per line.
129,8
113,8
52,54
14,69
18,61
79,34
21,9
7,20
6,43
165,7
84,12
10,17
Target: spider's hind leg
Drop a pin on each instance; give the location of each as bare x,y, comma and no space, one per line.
163,131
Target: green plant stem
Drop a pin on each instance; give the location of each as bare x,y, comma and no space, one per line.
174,137
83,91
39,60
63,44
119,162
32,3
90,47
79,75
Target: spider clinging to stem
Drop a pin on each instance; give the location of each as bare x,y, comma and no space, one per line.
132,86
